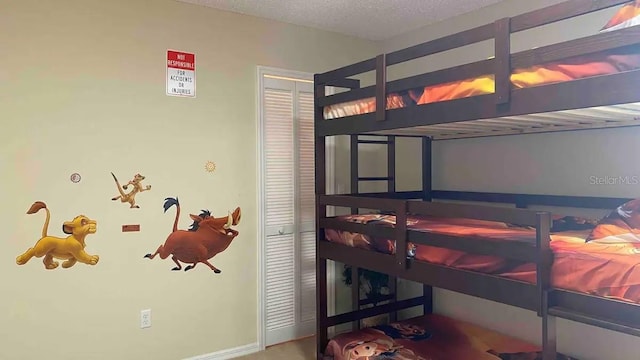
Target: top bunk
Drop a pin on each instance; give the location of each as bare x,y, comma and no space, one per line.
587,83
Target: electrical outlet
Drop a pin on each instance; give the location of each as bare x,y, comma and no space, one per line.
145,319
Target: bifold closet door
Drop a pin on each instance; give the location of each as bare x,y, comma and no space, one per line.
289,209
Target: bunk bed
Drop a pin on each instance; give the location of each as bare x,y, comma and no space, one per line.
470,242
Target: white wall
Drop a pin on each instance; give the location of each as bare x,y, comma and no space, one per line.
558,163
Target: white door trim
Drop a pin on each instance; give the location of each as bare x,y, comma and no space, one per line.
330,158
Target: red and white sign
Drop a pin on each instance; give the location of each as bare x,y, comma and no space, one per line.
181,74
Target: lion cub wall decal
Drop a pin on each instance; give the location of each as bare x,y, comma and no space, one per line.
130,197
70,249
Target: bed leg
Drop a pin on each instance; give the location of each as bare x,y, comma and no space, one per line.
355,294
549,350
322,336
393,289
427,294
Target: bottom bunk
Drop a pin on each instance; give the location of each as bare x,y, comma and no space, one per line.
430,337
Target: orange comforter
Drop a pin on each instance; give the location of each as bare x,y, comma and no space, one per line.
607,270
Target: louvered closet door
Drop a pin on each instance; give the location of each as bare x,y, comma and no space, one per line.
290,210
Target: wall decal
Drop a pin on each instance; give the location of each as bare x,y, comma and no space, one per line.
75,178
210,166
129,228
207,237
130,197
70,249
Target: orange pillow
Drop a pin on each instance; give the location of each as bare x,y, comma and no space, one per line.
622,225
628,12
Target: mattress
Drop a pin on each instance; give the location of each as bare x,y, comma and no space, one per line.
610,270
429,337
578,67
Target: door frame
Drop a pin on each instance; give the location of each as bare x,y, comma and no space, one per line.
331,186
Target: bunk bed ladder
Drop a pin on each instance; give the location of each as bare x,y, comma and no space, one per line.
390,143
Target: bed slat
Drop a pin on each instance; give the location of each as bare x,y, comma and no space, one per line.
373,311
590,320
559,12
617,41
604,309
360,202
463,38
364,259
589,202
515,250
344,83
367,229
346,96
502,290
346,71
479,212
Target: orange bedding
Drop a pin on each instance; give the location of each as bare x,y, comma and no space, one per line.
602,269
565,70
430,337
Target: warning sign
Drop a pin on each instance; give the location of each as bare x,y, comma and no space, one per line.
181,74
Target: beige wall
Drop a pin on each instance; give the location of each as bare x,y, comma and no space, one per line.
546,163
83,91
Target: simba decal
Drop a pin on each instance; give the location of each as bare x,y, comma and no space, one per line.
136,188
207,237
70,249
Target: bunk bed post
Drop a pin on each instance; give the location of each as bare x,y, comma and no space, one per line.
321,213
401,235
355,184
391,189
355,188
543,280
381,87
426,169
427,160
549,342
355,294
502,48
391,164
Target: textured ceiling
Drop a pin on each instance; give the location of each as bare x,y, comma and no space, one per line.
369,19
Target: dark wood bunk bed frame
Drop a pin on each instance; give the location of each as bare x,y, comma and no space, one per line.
547,302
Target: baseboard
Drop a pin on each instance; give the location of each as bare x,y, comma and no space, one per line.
229,353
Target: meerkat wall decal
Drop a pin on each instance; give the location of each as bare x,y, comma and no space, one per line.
130,197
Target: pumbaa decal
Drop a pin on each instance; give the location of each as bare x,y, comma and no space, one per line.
207,237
